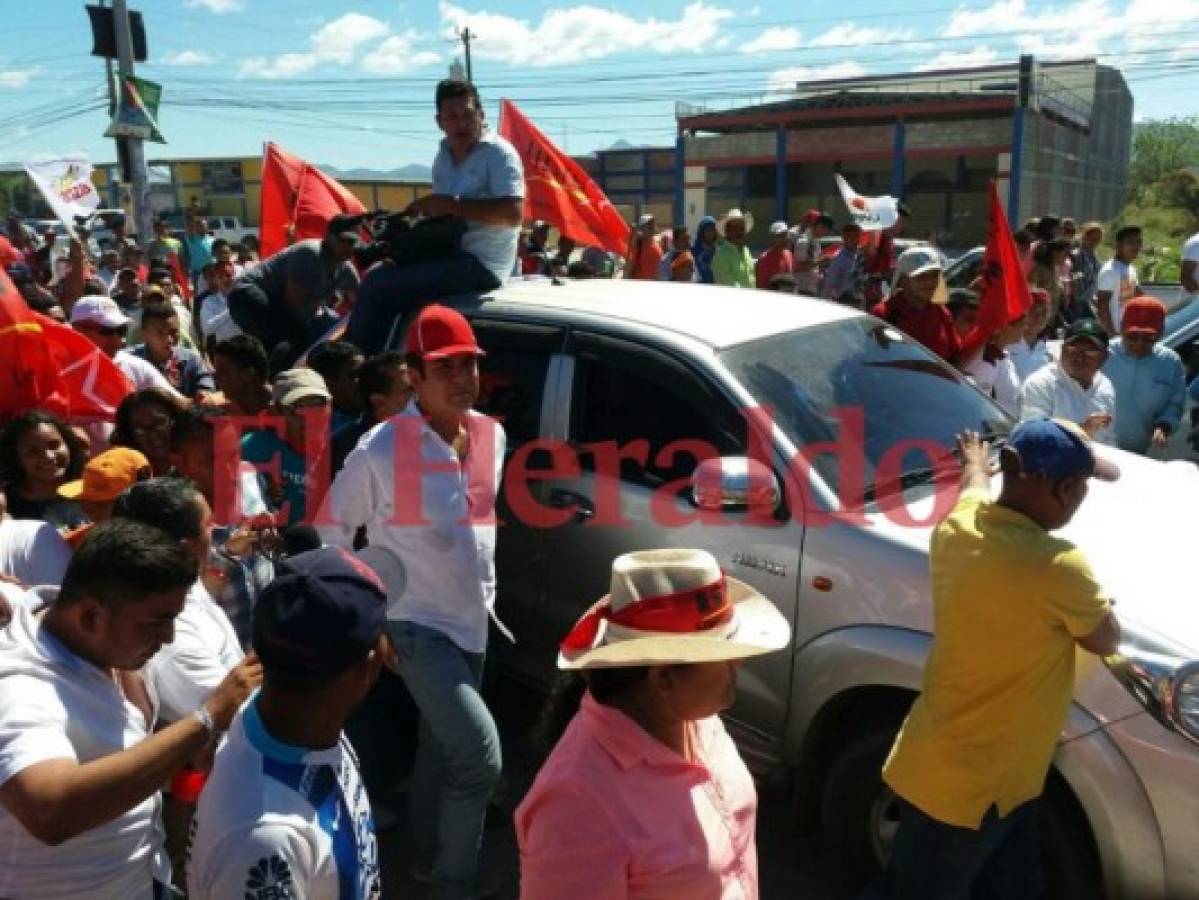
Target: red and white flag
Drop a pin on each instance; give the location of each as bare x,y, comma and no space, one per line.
871,213
52,367
558,191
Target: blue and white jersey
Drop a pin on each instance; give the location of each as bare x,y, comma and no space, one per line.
277,822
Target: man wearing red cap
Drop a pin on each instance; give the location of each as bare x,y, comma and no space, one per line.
1149,379
436,513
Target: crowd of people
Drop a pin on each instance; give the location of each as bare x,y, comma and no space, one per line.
184,653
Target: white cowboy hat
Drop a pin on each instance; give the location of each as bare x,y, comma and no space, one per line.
734,213
668,607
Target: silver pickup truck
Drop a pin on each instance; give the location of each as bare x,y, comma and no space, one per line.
789,408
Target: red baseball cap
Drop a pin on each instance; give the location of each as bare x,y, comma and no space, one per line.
1143,315
439,331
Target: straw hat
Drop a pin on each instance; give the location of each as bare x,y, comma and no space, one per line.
668,607
747,217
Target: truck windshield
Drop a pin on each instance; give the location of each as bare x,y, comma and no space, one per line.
815,380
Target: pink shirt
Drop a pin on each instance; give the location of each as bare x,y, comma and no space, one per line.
616,815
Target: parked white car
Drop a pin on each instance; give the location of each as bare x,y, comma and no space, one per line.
600,365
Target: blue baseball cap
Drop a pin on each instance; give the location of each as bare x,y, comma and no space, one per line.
322,613
1058,449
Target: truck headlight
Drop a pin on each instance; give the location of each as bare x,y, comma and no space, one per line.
1162,677
1183,707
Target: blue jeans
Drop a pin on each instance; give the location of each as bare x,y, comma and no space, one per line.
458,759
388,291
931,860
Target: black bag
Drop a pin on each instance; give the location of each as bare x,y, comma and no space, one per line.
406,242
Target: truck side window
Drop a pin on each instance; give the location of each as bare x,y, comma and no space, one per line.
511,385
615,402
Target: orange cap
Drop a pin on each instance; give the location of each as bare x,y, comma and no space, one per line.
107,475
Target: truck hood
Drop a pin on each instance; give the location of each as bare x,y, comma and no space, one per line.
1138,535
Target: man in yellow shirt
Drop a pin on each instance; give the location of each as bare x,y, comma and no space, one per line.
1010,604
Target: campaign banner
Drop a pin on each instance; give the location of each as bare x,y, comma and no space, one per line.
871,213
137,111
66,183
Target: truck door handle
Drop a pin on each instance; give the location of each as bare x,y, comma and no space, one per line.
583,508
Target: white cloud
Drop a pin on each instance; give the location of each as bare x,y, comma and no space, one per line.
337,42
17,78
286,65
571,35
217,6
959,59
772,40
851,35
340,39
396,55
782,81
188,58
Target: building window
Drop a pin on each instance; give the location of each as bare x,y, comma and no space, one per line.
624,162
624,183
222,178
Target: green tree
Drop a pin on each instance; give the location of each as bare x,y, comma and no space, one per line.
1161,147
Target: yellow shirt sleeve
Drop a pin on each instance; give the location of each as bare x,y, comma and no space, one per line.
1074,597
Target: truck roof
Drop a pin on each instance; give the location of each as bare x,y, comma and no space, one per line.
718,316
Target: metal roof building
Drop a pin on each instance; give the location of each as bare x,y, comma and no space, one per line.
1056,136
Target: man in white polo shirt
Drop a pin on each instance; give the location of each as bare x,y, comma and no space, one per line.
80,763
437,514
478,177
101,321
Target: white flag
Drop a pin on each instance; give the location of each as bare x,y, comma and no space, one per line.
872,213
66,183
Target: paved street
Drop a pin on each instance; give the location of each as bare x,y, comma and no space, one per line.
790,865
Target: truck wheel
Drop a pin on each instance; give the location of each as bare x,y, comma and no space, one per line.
1068,854
860,816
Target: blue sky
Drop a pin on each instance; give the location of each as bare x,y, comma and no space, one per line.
349,82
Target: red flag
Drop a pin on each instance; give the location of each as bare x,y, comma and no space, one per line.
298,200
558,190
179,278
50,366
1005,295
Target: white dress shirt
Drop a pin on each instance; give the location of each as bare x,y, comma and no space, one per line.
447,544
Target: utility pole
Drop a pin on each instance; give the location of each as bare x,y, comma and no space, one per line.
139,188
467,36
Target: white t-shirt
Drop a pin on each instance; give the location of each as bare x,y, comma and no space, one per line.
1051,392
33,551
142,373
184,672
216,320
998,380
1120,278
1026,359
55,705
279,821
1190,250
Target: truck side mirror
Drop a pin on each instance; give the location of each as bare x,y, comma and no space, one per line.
735,483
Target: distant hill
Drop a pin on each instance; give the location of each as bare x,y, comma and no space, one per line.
411,172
